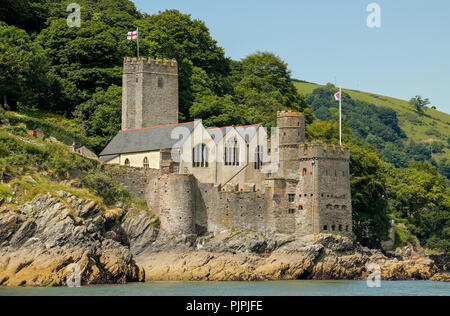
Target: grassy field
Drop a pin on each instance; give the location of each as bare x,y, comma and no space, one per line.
433,126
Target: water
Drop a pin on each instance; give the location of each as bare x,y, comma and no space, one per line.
272,288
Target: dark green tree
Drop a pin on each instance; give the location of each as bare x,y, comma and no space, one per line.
23,66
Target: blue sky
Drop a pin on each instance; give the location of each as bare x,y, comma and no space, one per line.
328,40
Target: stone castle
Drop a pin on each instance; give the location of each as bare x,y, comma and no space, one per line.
207,180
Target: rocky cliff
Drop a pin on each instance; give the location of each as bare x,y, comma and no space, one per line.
40,239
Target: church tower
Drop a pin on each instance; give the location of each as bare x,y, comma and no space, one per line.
149,92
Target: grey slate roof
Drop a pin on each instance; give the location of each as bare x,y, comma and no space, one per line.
146,139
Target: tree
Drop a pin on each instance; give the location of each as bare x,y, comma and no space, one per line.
419,104
83,60
171,34
262,83
23,65
101,116
29,15
420,195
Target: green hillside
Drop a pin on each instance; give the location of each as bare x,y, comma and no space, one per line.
433,126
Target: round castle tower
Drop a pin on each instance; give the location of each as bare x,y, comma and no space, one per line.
291,127
177,210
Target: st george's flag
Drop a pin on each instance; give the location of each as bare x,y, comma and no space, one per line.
132,35
337,96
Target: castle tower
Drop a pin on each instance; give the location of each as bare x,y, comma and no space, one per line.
323,190
291,127
149,92
291,133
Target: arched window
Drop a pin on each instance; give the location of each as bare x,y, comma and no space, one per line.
232,152
258,157
127,162
200,156
146,164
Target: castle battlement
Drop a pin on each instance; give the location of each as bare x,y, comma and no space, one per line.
323,150
149,64
289,114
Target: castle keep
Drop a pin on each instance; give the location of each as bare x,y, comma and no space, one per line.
200,180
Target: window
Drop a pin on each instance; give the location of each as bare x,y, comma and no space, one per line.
346,228
291,198
146,164
325,227
291,211
258,157
200,155
340,228
300,207
333,228
344,207
329,206
232,153
305,172
336,207
127,162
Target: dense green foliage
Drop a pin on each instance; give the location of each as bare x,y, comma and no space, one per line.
422,196
22,155
23,66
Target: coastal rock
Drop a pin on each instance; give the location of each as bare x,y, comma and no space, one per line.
246,256
44,237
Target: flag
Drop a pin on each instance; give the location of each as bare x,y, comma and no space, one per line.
337,96
132,35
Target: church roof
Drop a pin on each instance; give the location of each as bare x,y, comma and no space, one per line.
146,139
247,132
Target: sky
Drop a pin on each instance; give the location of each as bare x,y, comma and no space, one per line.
330,41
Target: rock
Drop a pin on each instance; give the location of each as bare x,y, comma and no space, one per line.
38,243
243,256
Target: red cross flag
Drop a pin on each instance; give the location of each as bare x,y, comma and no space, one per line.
337,96
132,35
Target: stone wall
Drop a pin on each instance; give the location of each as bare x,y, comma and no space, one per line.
318,199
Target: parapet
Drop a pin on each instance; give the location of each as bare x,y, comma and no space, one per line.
289,114
322,150
149,64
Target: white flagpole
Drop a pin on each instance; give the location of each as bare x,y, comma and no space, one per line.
137,38
340,116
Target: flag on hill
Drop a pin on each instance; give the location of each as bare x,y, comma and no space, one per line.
337,96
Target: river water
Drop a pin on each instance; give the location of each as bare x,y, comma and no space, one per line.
272,288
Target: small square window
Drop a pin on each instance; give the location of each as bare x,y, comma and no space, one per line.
325,227
291,198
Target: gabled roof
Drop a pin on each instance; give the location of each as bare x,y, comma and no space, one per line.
146,139
218,133
249,131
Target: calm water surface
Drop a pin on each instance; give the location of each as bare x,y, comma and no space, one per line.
277,288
